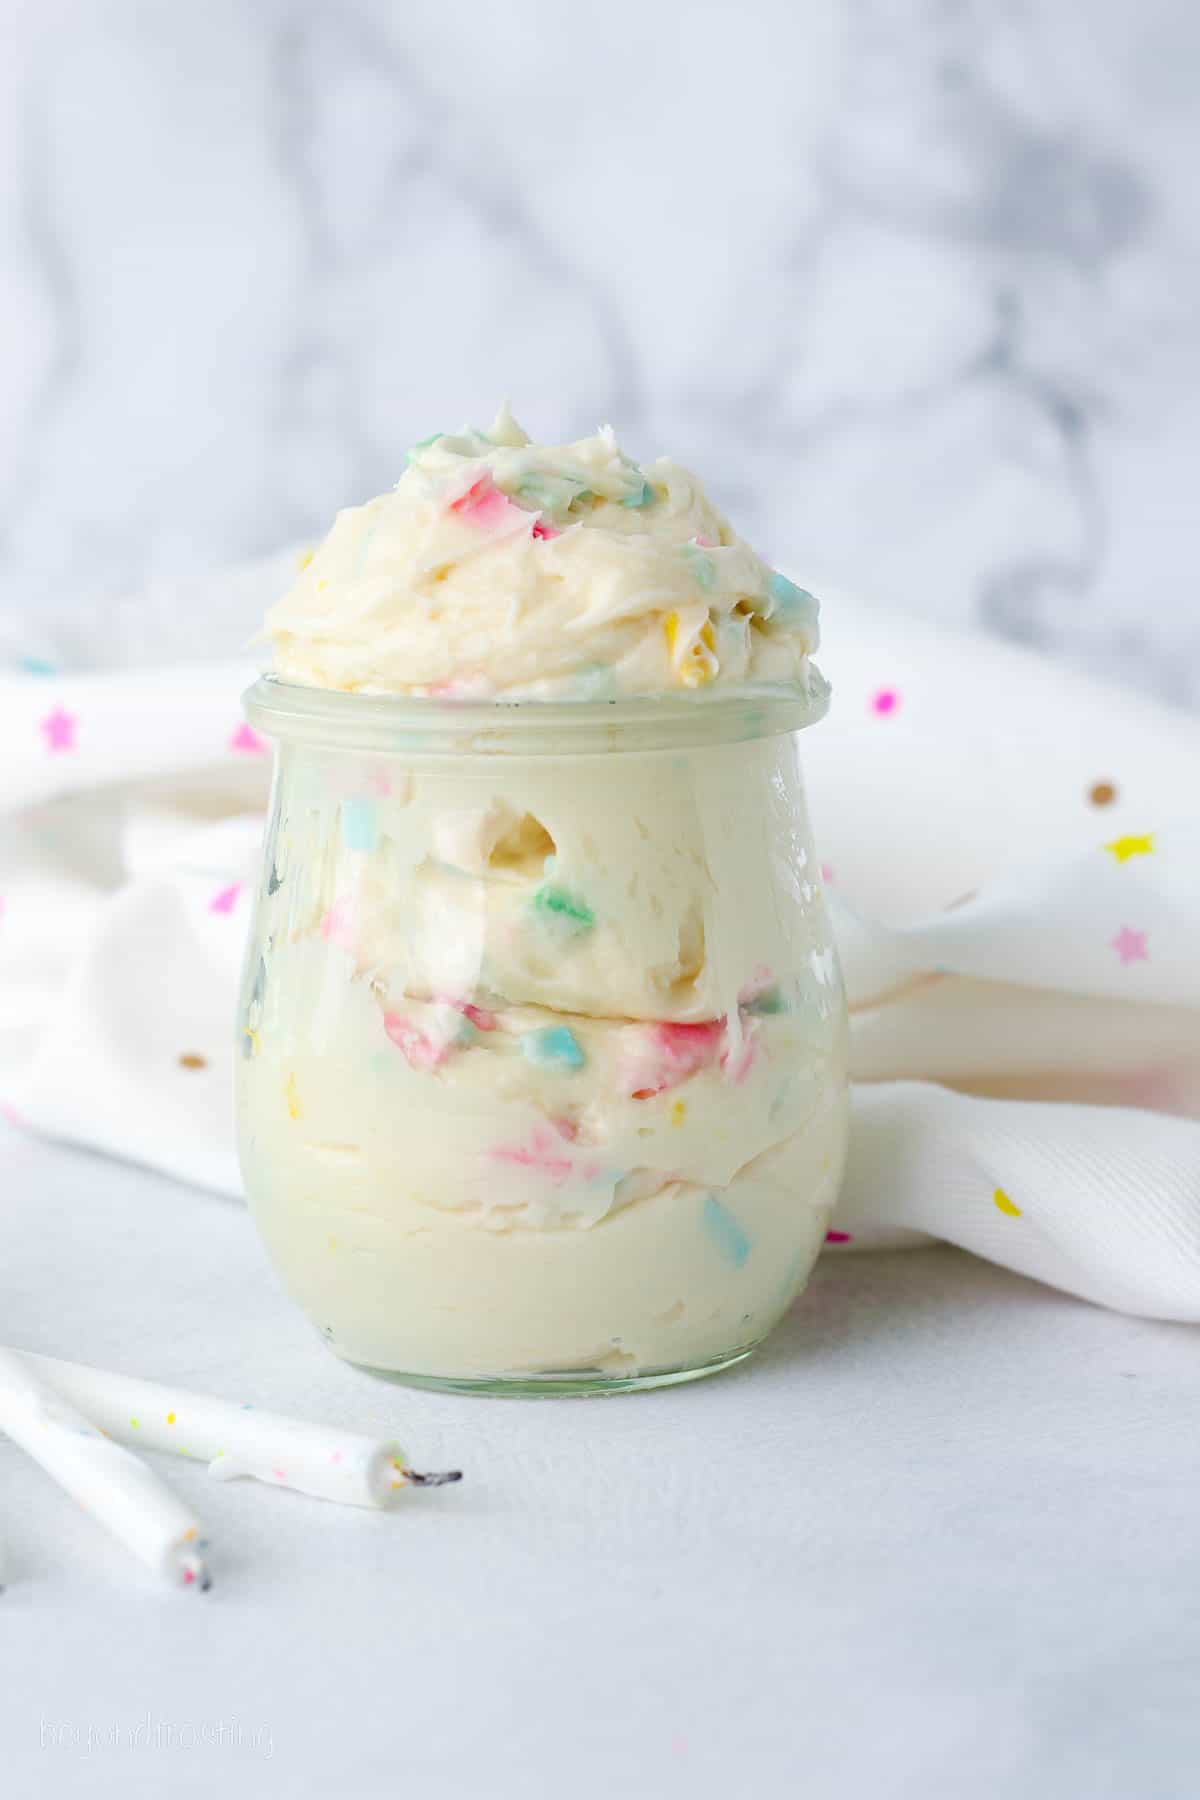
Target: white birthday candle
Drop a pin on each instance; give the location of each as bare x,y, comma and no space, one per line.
107,1481
236,1439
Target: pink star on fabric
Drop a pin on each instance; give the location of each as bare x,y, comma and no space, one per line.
59,728
1130,945
247,741
226,900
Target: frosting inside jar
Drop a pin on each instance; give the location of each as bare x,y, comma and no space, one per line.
544,1049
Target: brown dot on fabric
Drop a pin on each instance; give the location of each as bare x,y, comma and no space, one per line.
1102,793
191,1059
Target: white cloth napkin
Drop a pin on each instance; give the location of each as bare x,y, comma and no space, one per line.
1012,853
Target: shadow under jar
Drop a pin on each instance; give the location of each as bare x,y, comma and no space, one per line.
543,1073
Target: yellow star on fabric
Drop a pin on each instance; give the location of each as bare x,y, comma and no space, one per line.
1125,847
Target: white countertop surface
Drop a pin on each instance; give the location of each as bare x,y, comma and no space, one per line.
939,1538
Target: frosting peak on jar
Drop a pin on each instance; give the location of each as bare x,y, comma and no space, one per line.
499,567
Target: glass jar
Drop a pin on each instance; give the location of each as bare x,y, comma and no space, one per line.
543,1072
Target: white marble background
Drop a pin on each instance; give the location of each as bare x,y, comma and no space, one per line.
915,285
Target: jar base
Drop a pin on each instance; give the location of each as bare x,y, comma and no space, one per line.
555,1384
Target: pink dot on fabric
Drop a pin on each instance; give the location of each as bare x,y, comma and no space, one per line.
884,702
1130,945
827,872
226,900
542,530
59,728
336,1457
838,1237
246,740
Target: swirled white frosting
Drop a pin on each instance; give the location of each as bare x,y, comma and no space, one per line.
498,567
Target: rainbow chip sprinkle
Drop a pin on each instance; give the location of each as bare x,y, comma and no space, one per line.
699,662
768,1001
795,604
484,504
704,569
726,1231
423,445
563,911
643,496
554,1047
360,830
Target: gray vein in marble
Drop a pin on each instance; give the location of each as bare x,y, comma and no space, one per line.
1013,599
1027,200
920,305
52,265
478,185
311,351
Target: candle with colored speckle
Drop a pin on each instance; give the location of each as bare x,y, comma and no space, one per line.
106,1480
236,1439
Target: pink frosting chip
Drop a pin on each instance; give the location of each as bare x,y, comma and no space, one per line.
668,1054
738,1064
480,1017
544,1152
484,504
419,1051
338,925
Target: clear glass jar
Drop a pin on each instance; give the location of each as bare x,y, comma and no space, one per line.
543,1073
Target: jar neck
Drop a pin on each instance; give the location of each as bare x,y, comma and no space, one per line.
400,723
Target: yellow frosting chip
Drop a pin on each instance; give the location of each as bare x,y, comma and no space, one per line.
698,663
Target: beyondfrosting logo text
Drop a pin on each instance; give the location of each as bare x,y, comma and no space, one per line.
158,1734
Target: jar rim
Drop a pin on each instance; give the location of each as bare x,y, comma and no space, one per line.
294,712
